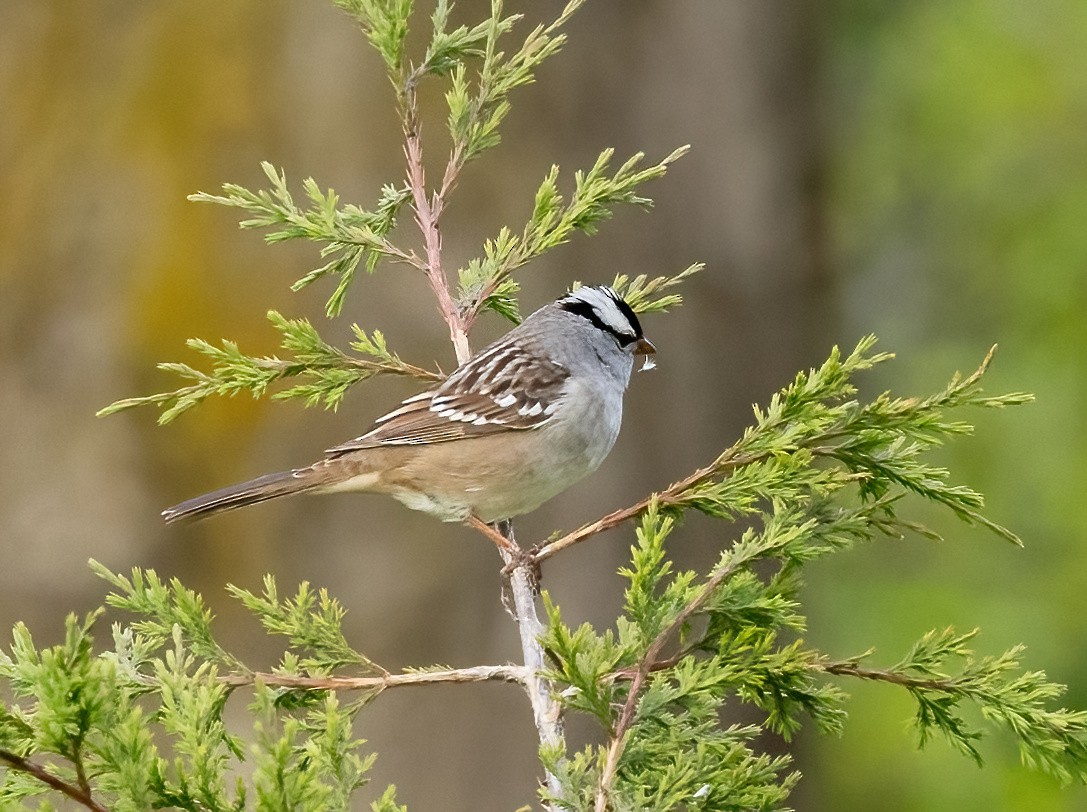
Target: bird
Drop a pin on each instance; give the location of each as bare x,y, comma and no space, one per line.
518,423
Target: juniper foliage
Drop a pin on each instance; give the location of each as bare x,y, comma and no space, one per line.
818,472
138,722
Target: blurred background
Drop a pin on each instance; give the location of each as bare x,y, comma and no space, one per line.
917,170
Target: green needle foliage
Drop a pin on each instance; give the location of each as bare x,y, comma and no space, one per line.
347,233
486,284
327,370
140,724
817,473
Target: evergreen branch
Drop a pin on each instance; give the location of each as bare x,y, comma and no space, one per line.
350,233
645,665
639,291
312,621
385,24
473,122
877,443
779,532
329,371
1054,741
474,118
84,706
553,222
448,49
773,472
80,794
670,496
169,609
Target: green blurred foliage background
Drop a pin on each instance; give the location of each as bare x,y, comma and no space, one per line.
918,170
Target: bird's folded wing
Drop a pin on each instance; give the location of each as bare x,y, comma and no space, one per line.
502,389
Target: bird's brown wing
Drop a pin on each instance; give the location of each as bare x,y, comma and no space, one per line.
503,388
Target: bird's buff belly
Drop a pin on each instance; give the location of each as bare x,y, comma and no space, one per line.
494,482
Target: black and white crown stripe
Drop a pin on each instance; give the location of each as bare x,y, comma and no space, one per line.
606,310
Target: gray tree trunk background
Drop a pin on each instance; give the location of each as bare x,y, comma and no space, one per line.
113,112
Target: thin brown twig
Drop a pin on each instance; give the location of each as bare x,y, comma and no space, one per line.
80,772
452,171
77,794
519,674
851,669
396,254
731,458
479,673
428,212
403,368
646,665
504,545
841,668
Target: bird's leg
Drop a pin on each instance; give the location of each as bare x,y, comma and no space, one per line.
506,545
501,533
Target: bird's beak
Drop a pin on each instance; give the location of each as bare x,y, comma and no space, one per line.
645,347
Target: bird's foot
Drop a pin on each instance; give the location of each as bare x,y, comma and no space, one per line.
525,559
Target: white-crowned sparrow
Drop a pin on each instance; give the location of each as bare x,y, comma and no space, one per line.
520,422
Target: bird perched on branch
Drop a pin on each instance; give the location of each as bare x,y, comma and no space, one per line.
518,423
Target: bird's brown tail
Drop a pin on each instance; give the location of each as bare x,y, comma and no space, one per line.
256,490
